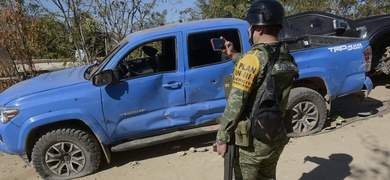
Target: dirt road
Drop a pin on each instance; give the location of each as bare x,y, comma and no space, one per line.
357,148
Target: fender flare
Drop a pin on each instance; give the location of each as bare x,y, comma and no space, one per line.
58,116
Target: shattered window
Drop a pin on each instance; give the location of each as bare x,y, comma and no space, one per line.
200,51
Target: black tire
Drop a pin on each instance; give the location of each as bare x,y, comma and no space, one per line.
66,154
308,111
384,62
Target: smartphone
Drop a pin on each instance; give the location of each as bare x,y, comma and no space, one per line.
218,44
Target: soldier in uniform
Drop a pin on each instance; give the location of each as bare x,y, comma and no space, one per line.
259,159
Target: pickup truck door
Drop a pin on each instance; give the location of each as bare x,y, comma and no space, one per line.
150,96
205,69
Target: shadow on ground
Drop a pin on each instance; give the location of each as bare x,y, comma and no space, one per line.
349,109
338,165
335,167
352,107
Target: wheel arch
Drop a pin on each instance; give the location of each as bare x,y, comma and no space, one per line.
378,42
316,84
380,38
33,134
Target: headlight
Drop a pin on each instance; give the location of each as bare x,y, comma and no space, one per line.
6,114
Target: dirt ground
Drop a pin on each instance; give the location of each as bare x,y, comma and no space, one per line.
355,148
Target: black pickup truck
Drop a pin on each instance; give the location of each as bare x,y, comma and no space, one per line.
376,29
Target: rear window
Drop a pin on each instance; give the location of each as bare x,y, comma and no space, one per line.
200,51
311,25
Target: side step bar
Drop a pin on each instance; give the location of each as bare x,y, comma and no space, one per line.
143,142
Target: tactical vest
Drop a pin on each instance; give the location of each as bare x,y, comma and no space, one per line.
284,71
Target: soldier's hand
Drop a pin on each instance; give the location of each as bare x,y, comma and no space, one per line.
229,48
221,149
307,158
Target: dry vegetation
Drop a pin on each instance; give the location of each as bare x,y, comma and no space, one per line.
7,74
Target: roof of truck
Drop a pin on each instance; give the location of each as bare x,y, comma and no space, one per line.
188,26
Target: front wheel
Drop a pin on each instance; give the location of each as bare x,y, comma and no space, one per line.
66,154
308,111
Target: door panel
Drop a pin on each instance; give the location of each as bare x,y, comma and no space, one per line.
148,99
204,90
142,105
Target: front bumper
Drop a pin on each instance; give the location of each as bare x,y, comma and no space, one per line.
368,86
9,141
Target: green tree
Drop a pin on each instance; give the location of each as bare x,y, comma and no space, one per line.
371,7
93,36
58,45
353,9
74,28
293,7
74,14
221,8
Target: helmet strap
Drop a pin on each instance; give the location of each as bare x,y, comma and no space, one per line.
251,36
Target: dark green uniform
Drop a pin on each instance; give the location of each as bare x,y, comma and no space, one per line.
258,161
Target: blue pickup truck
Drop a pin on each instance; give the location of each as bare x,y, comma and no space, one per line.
158,85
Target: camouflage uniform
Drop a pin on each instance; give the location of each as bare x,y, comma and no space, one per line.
258,161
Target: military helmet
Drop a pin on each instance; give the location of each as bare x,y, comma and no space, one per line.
265,12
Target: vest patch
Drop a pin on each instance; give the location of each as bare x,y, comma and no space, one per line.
245,72
285,67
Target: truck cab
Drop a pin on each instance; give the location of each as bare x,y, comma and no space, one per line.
169,78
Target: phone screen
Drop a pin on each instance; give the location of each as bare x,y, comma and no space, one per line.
218,44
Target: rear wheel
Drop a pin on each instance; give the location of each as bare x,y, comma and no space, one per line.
308,111
66,154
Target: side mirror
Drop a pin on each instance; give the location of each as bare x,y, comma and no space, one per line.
103,78
340,24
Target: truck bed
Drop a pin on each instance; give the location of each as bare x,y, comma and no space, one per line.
316,41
